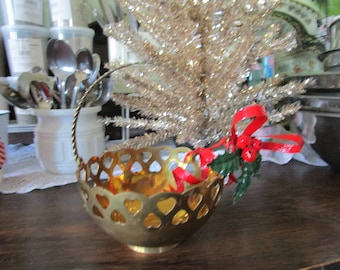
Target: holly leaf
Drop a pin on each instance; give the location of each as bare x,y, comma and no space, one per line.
226,163
248,171
230,162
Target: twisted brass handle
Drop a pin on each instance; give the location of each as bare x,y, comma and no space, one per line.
81,103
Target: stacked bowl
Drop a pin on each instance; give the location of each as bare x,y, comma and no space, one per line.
322,100
25,40
324,105
24,34
70,20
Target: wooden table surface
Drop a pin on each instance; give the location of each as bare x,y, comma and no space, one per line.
289,219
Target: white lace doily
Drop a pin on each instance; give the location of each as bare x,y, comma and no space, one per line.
23,172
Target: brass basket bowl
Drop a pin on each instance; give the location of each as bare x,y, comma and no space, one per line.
128,194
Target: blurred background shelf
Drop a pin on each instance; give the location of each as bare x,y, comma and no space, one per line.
14,127
20,133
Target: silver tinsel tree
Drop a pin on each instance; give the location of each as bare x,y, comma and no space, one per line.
188,80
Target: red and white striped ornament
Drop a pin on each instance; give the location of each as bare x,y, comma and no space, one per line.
2,154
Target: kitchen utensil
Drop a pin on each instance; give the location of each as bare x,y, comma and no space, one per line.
106,89
95,71
84,61
36,74
62,63
107,10
14,97
72,85
118,11
85,67
41,95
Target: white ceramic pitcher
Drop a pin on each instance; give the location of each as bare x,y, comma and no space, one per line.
52,138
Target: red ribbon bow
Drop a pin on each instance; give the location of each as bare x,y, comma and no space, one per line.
249,145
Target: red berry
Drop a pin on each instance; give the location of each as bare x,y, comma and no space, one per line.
249,154
243,141
256,144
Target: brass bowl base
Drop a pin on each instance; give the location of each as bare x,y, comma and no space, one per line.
152,250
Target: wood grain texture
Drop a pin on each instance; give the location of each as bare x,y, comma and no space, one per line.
289,219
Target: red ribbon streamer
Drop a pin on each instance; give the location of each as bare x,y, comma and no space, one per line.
249,145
